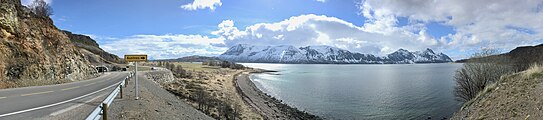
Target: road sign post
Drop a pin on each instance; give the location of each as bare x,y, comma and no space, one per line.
136,79
135,59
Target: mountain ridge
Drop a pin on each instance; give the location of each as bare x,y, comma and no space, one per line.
322,54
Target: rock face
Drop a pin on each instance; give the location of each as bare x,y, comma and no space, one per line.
325,55
34,51
86,43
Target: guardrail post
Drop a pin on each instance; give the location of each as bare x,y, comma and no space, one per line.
104,111
121,91
125,82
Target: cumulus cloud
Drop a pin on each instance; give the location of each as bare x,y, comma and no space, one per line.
313,29
298,31
202,4
501,24
166,46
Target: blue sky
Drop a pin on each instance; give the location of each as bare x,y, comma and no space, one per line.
176,28
130,17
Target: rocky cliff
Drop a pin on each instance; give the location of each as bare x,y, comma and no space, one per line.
34,52
87,44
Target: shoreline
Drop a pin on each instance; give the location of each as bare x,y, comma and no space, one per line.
268,106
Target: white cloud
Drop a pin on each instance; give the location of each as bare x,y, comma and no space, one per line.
503,24
313,29
322,1
299,31
166,46
202,4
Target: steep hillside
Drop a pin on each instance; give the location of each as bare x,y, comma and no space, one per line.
326,54
33,51
516,97
87,44
522,57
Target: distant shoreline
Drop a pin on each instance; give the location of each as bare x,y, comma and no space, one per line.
268,106
348,63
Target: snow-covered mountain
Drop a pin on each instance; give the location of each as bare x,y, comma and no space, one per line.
325,54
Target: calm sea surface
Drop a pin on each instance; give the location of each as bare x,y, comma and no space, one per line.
361,91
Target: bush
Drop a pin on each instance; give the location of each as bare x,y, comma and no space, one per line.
473,77
41,8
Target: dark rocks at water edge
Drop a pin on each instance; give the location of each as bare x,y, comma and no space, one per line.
325,55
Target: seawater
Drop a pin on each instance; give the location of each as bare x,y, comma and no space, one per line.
363,91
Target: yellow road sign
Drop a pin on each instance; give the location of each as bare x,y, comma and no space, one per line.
135,58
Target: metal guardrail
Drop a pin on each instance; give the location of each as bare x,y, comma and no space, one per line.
101,110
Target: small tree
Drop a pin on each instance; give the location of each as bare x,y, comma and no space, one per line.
203,99
172,66
180,72
41,8
225,110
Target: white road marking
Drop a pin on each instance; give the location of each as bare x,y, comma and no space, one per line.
90,84
2,97
70,88
36,93
55,104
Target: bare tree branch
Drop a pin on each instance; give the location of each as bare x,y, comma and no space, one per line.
41,8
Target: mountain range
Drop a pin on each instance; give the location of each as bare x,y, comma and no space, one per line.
325,55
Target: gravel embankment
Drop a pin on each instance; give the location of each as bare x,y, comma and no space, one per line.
155,103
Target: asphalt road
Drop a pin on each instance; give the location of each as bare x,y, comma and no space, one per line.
41,102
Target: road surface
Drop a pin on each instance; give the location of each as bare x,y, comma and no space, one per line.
42,102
